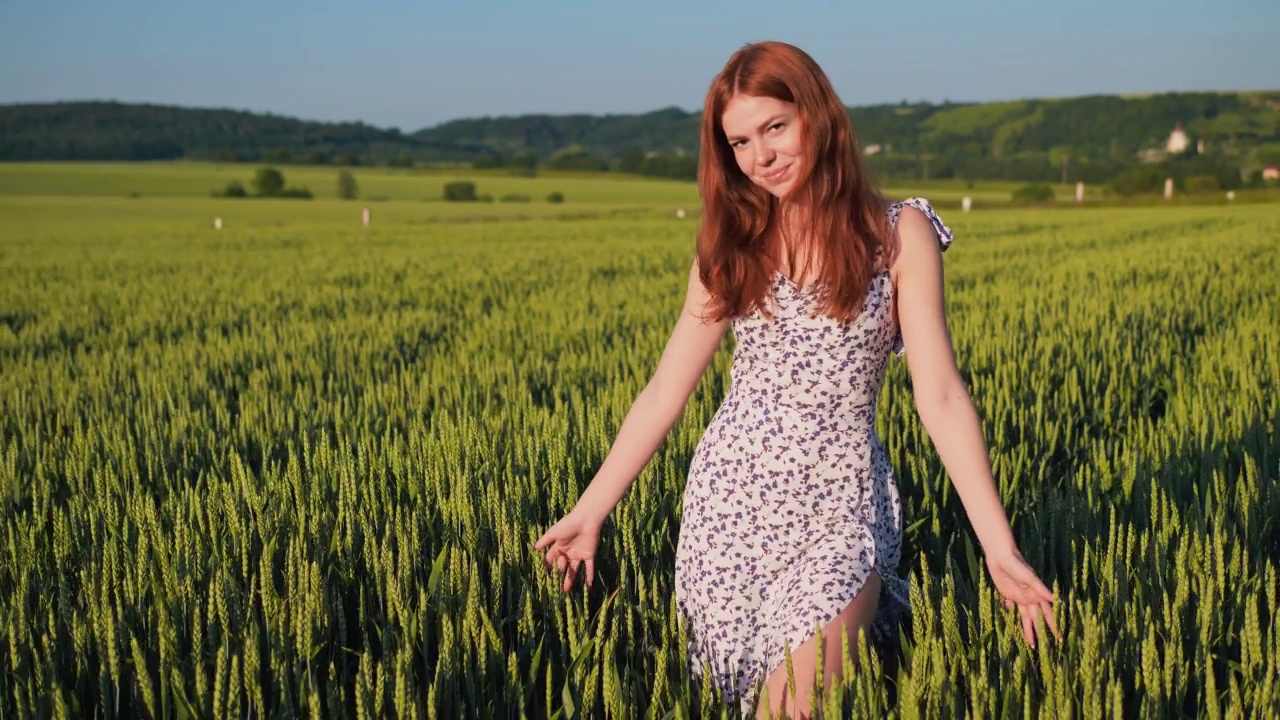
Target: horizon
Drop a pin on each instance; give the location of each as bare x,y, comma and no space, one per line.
410,67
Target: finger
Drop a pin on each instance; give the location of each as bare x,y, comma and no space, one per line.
591,571
569,574
548,538
1028,626
1047,608
562,563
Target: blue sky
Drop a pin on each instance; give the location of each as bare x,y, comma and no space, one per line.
415,64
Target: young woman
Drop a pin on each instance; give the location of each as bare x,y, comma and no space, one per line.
792,520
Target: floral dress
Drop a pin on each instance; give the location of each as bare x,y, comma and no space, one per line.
790,501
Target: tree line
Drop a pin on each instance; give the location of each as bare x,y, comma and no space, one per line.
1231,137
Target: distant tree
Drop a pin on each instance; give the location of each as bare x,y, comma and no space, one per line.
347,189
268,182
486,160
575,157
555,197
524,164
1269,154
670,166
277,155
315,157
1197,184
631,161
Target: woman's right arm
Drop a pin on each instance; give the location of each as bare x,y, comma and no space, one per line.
692,345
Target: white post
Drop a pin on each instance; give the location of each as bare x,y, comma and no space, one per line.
364,217
1080,192
966,203
680,213
1168,188
1231,195
217,223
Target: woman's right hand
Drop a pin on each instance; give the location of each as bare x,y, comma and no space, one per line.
568,543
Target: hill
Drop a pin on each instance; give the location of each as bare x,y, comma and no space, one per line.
1093,138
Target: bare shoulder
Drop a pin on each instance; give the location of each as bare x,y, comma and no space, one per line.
919,252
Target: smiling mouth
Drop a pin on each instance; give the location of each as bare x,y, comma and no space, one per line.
776,175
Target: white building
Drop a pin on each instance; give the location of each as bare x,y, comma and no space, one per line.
1178,140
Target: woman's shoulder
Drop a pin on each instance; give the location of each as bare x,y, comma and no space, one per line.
923,218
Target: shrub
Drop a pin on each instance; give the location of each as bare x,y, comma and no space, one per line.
1202,184
460,191
234,189
1144,179
1032,194
555,197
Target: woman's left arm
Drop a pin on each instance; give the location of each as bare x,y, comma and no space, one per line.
941,399
949,416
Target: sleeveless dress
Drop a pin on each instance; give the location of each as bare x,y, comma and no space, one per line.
790,501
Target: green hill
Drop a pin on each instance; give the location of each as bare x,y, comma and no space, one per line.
1093,138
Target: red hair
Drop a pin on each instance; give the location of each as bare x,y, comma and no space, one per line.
846,213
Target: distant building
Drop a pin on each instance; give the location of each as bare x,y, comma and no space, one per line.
1178,140
1271,172
872,149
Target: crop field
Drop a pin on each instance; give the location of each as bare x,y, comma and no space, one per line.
297,466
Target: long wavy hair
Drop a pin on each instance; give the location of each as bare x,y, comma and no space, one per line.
844,213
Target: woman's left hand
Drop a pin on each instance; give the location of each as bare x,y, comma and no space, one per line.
1020,586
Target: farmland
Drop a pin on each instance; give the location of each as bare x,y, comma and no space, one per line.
297,466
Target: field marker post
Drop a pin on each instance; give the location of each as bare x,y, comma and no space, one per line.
966,203
1080,191
365,217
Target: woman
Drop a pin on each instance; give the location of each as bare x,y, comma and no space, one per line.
791,518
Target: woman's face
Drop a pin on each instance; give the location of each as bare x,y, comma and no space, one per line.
765,136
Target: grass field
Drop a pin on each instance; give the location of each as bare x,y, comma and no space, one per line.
297,466
198,179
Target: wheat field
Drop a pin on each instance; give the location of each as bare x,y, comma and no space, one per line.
297,466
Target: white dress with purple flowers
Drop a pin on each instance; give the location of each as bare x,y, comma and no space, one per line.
790,500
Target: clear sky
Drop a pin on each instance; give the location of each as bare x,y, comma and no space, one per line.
415,64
